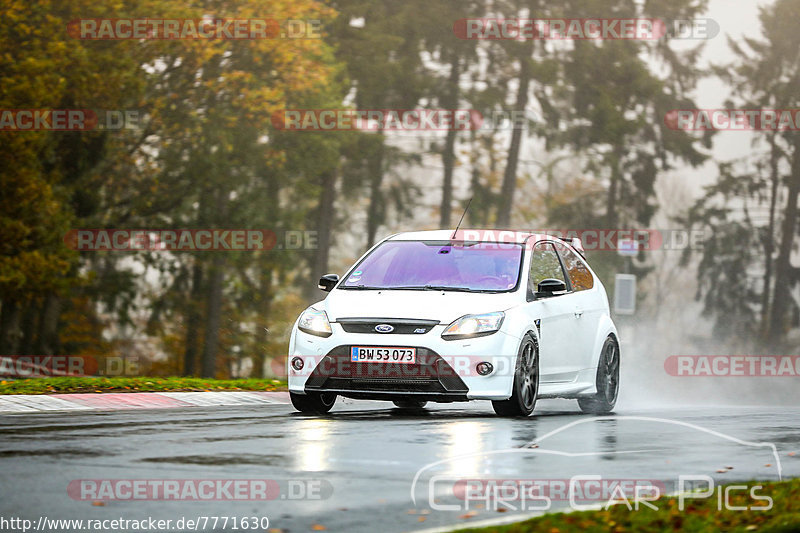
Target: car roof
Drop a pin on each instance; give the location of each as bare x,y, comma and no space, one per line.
481,235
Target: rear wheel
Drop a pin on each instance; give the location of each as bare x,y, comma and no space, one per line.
607,381
409,404
526,382
319,403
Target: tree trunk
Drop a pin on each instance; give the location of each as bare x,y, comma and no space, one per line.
213,316
510,175
769,241
475,216
448,154
193,318
47,343
612,218
375,199
216,278
783,268
262,332
9,327
29,327
325,217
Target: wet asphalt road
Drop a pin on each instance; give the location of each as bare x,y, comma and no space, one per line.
364,457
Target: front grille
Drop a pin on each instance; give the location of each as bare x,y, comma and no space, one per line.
406,326
430,373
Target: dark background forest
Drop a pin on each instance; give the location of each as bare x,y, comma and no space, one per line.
594,151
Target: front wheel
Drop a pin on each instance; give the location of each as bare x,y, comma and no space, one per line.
526,382
605,399
319,403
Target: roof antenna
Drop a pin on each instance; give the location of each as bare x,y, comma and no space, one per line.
462,220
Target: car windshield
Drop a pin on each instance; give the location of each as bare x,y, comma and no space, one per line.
439,265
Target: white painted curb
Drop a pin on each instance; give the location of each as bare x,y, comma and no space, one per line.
112,401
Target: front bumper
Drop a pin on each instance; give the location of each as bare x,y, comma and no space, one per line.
444,371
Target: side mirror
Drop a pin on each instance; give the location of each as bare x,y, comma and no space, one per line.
549,287
328,282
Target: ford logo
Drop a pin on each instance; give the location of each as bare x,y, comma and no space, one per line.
384,328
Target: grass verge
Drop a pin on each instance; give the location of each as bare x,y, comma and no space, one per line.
698,515
135,384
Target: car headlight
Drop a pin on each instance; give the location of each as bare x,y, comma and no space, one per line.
315,323
474,326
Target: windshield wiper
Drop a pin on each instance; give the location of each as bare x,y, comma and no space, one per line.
415,288
433,288
363,288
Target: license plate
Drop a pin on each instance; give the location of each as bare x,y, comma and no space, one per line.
383,354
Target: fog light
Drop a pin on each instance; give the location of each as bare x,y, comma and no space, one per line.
484,368
298,363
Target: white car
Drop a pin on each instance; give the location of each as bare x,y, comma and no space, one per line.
446,317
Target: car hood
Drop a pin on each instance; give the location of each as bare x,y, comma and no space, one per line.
427,305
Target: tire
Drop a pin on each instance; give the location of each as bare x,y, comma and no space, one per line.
526,382
605,399
319,403
409,404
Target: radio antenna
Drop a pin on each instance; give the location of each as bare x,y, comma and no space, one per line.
462,220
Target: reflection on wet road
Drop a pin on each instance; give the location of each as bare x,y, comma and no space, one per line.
366,455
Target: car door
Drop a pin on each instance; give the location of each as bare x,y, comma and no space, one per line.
586,301
559,360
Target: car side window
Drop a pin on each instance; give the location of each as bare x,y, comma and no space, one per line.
544,265
579,274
